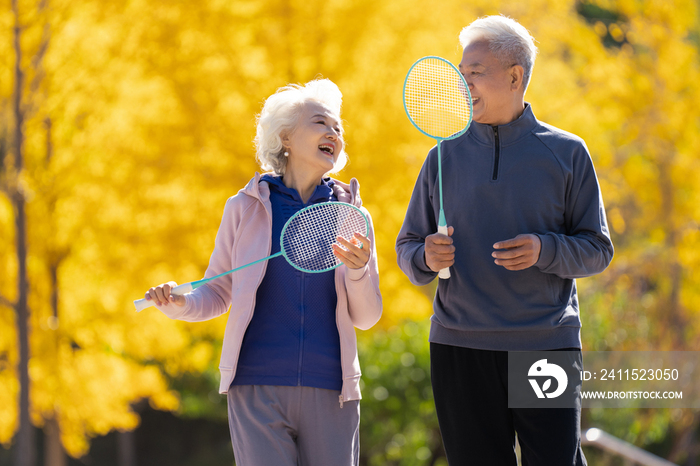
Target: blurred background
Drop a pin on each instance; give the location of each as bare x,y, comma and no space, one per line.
125,125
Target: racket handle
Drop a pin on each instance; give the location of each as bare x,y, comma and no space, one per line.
141,304
444,273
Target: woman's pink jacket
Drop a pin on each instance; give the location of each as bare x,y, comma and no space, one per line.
244,237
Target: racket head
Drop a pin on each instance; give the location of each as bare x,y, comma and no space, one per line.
436,98
307,237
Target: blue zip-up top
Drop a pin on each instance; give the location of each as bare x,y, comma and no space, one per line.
292,338
500,182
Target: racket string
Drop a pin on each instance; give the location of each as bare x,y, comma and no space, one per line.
436,98
308,237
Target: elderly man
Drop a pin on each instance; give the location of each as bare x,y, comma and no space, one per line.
527,218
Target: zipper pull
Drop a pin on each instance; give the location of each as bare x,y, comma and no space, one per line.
341,401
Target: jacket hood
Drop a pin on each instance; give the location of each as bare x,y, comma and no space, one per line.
348,193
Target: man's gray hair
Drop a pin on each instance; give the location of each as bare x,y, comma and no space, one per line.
508,41
280,116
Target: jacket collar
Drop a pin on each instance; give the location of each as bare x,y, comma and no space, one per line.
507,134
322,191
254,188
348,193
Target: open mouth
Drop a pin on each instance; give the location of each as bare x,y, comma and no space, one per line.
327,148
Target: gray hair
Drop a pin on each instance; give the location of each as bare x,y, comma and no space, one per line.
508,41
280,115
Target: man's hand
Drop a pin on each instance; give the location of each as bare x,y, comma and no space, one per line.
518,253
439,252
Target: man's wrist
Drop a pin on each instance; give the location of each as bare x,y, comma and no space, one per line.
419,260
547,249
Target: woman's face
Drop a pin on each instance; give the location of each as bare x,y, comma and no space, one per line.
316,141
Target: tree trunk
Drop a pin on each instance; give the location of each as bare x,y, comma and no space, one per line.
126,448
53,449
25,453
54,454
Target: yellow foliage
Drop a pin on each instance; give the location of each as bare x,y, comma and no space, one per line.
152,120
8,404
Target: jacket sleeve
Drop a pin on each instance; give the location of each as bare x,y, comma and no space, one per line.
585,248
212,299
362,285
417,225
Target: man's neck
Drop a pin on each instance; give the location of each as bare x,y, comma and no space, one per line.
515,112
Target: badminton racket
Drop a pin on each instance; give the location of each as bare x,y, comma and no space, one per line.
438,102
306,242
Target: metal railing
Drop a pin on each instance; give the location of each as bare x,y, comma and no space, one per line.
632,454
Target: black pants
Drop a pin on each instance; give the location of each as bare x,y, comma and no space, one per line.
478,429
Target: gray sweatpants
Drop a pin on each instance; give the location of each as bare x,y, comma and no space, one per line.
292,426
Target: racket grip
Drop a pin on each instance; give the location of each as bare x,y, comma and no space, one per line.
444,273
141,304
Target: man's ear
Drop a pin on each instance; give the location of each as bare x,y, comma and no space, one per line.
516,77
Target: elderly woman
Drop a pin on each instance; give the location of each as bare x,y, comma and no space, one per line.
289,359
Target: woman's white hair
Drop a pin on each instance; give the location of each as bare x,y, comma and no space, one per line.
280,115
508,41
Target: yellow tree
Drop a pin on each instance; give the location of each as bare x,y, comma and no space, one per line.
651,120
25,78
142,125
83,381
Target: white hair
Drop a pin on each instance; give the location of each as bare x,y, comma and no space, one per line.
508,41
280,116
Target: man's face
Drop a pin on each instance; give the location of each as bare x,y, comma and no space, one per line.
490,83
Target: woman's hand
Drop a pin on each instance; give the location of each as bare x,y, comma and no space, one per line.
161,295
354,256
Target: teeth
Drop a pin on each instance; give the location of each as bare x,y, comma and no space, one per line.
326,148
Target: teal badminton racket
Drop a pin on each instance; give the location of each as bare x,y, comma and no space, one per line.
438,102
306,242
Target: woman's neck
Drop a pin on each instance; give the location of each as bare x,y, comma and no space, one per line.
304,183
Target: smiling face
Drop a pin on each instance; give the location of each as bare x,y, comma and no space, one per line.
316,141
497,90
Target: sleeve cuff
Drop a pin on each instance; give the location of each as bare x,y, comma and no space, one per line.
547,251
357,274
174,311
419,260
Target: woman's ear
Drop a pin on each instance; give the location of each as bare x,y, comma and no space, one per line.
285,137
